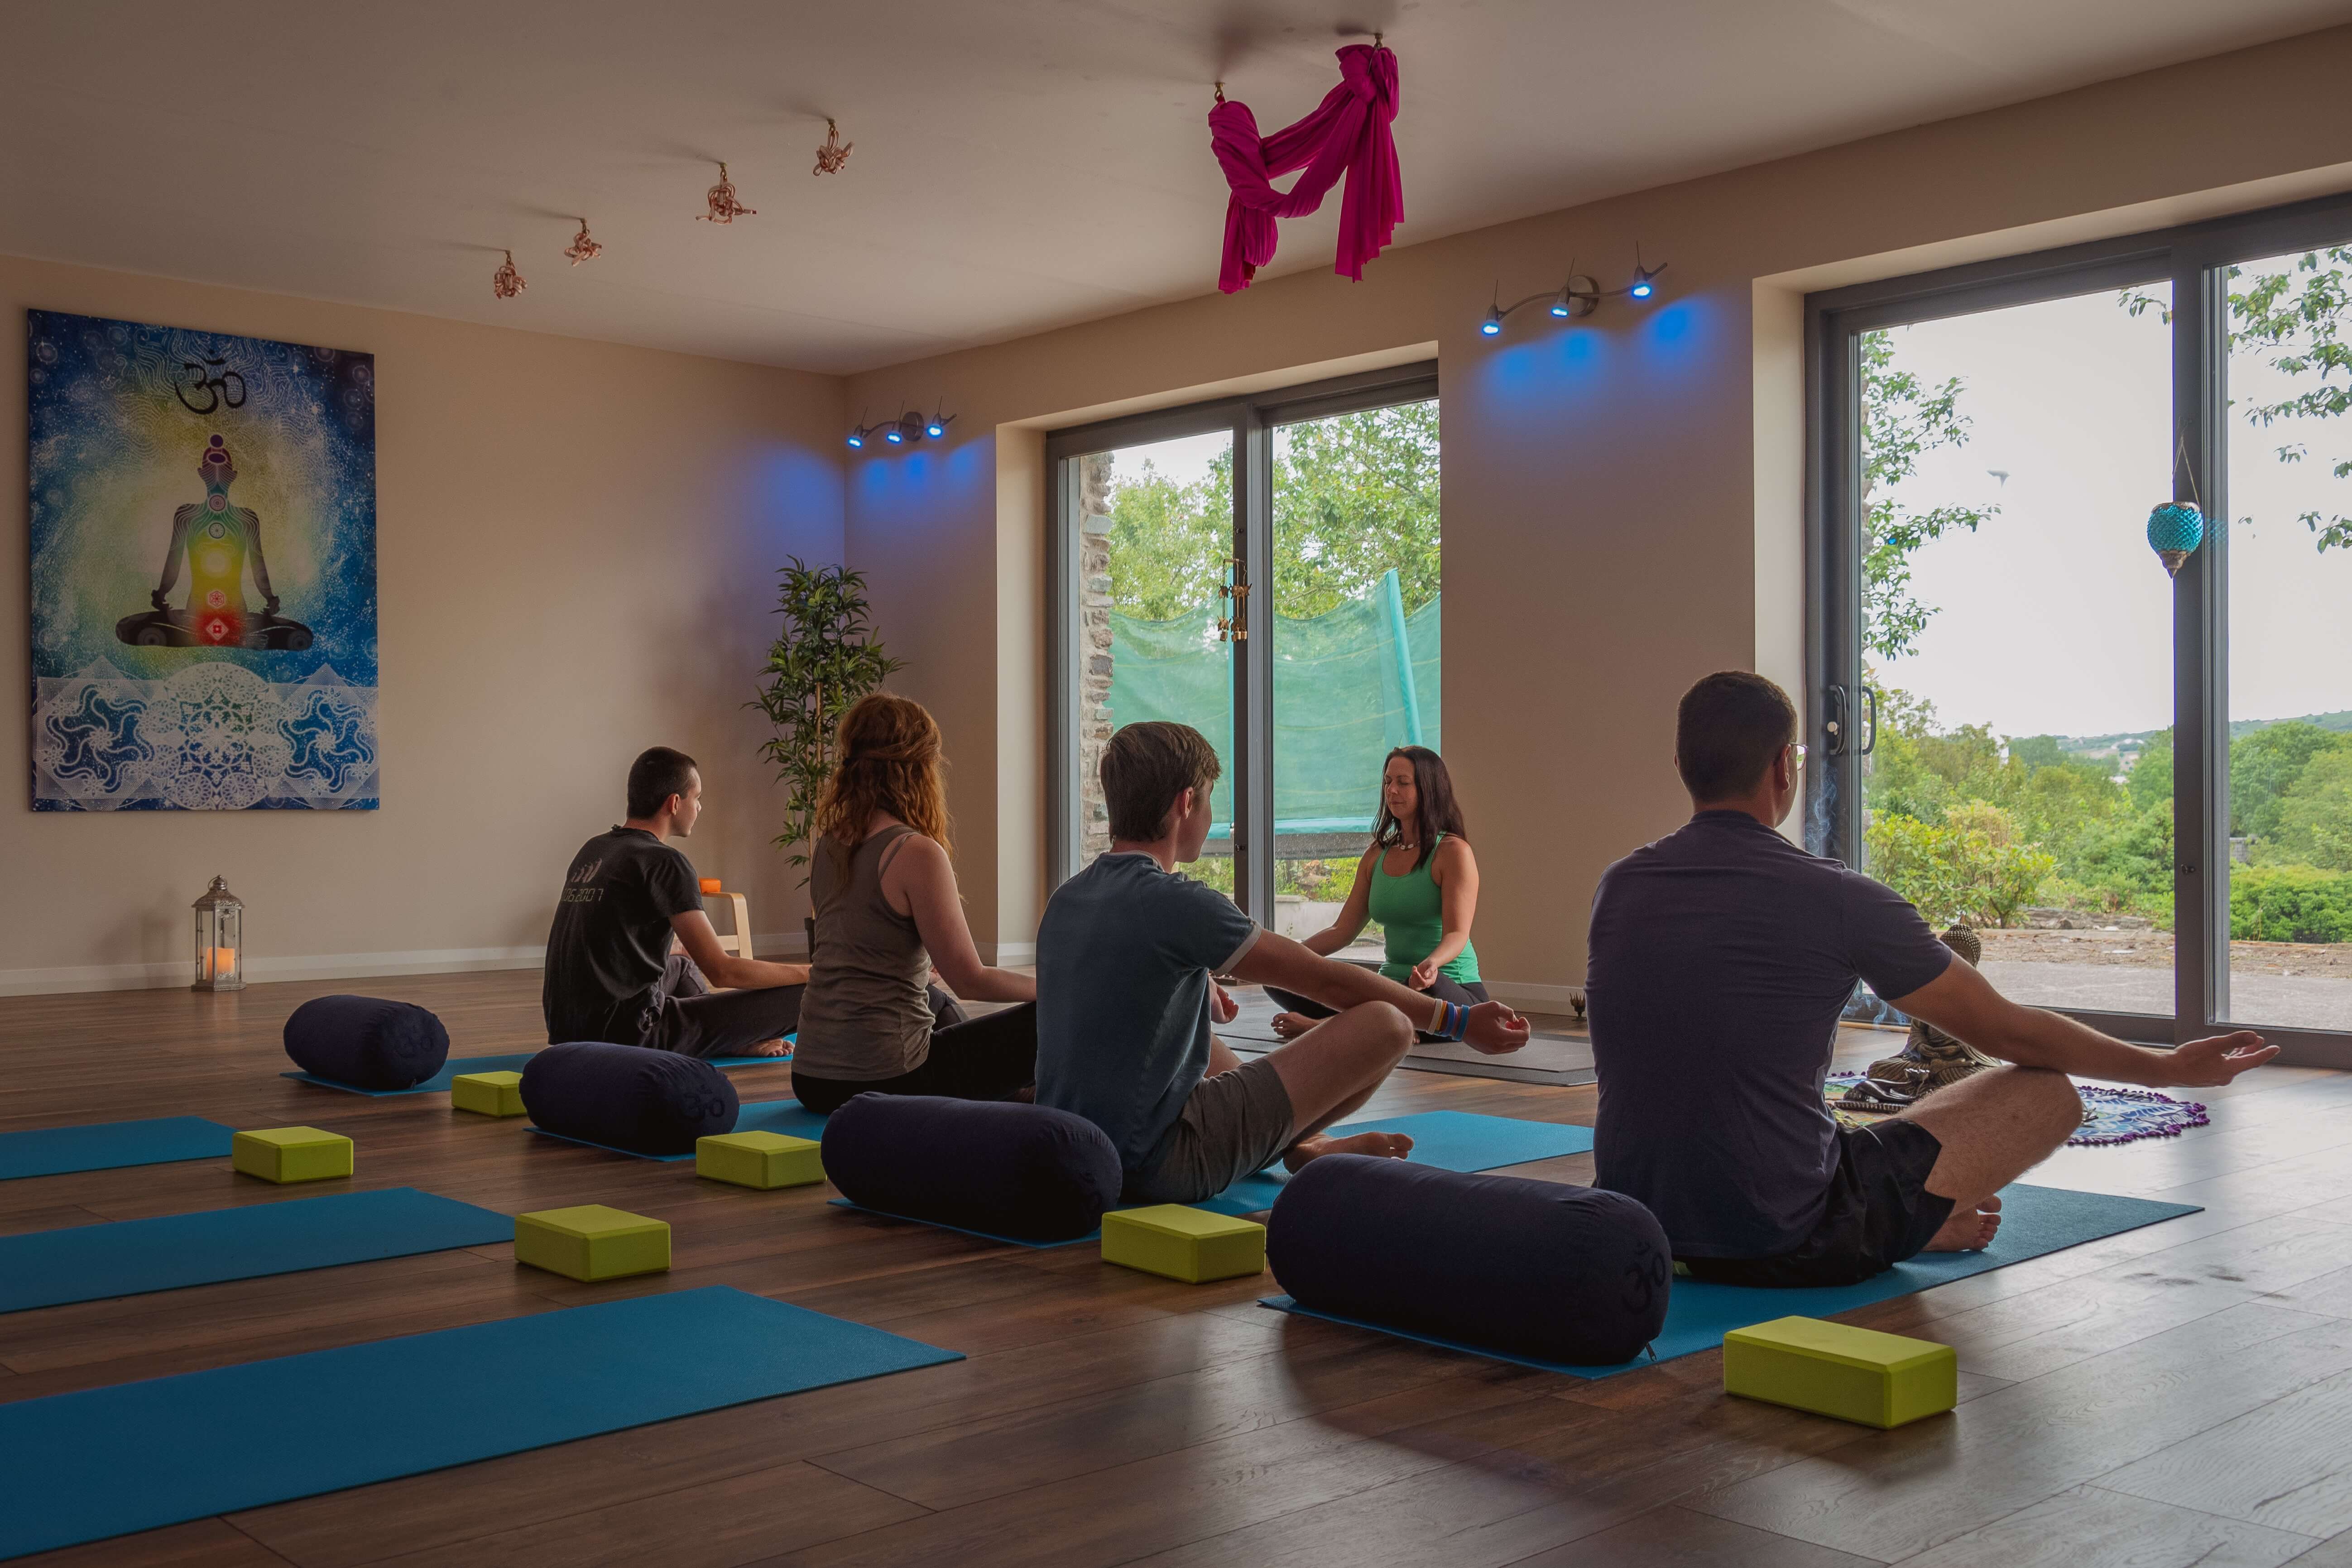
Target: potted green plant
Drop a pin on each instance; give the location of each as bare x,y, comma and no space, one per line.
824,660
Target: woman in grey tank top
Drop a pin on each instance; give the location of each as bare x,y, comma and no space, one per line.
887,915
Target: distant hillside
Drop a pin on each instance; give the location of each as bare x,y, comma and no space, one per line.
2130,744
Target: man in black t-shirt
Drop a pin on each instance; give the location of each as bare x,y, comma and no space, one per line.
1721,958
610,971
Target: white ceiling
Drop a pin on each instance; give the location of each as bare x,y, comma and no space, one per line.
1020,164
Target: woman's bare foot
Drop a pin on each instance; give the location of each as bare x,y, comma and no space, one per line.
1385,1145
1969,1229
1290,1025
769,1049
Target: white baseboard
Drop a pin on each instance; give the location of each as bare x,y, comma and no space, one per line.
316,966
1536,998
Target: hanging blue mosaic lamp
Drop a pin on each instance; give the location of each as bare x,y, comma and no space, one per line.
2174,530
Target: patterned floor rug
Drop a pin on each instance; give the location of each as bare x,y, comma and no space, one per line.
2109,1115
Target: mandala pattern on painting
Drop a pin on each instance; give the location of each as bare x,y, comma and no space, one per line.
211,737
218,737
326,734
98,741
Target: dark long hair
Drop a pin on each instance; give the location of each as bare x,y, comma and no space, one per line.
1436,812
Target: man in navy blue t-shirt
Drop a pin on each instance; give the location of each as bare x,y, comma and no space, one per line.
1721,958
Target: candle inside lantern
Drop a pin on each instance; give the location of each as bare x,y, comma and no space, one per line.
219,961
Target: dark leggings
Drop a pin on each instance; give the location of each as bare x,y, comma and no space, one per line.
989,1058
1445,990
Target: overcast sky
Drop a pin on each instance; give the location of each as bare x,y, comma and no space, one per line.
2055,616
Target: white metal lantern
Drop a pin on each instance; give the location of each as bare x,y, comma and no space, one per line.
220,940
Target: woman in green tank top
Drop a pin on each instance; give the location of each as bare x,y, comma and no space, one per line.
1420,880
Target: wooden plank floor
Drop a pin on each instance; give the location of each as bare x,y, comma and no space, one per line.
2180,1394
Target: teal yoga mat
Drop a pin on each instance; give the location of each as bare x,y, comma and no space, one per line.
787,1118
108,1461
132,1257
1450,1140
439,1082
111,1145
2035,1221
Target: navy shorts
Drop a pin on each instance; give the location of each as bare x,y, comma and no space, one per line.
1879,1212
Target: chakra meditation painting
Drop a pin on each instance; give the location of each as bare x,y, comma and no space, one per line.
203,531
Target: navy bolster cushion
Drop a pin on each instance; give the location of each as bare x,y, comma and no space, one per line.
1572,1275
628,1097
1022,1171
366,1041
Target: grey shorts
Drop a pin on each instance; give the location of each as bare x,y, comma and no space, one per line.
1232,1126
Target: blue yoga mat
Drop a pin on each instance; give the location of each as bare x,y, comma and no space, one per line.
111,1145
132,1256
108,1461
439,1082
786,1117
2035,1221
1450,1140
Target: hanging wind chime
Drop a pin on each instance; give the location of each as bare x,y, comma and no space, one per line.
582,247
724,207
834,153
506,282
2175,527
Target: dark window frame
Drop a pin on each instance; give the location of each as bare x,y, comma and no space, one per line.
1251,420
2194,259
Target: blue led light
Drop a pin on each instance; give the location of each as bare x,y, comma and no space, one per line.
935,429
892,437
856,439
1643,289
1491,328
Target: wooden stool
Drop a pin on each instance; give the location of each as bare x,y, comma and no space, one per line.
737,942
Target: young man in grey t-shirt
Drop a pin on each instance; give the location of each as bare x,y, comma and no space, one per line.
1125,958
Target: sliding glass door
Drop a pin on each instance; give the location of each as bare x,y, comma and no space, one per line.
1265,570
2289,618
2133,783
1155,545
1356,633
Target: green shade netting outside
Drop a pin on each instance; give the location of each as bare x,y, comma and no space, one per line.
1349,687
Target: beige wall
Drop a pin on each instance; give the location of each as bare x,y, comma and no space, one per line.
576,545
1620,498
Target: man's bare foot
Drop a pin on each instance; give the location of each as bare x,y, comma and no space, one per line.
1384,1145
1290,1025
1968,1230
769,1049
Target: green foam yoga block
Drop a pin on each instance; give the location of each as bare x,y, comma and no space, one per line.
762,1159
591,1242
487,1093
292,1154
1188,1243
1835,1369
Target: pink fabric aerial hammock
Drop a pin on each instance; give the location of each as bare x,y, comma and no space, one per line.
1347,134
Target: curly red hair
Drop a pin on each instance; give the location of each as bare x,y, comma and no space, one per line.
887,758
